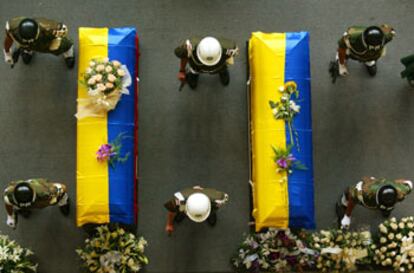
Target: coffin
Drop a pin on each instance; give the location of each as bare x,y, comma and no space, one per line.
274,59
106,194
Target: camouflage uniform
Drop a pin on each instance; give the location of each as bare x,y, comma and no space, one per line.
45,39
229,50
365,192
356,50
46,193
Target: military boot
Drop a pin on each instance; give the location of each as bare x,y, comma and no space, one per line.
70,62
372,69
192,80
224,77
65,209
212,219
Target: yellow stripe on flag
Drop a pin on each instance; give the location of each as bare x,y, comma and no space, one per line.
92,176
267,70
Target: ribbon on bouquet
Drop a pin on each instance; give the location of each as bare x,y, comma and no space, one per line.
98,104
347,255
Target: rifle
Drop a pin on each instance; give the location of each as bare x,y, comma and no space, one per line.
181,86
15,56
334,70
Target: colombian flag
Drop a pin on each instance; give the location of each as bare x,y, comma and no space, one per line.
106,194
274,59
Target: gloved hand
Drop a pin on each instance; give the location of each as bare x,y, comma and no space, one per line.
345,222
61,32
11,221
222,202
343,71
232,52
8,57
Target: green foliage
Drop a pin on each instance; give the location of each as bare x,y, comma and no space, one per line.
113,251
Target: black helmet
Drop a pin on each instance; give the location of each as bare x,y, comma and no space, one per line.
23,194
373,36
28,30
386,197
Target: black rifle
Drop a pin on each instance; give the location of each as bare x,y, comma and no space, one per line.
15,56
334,70
181,86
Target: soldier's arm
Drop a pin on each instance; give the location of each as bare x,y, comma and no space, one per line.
171,206
8,206
232,49
350,207
8,40
342,47
404,189
182,53
389,32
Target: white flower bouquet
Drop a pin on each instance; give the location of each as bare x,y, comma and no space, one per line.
286,108
395,246
341,251
113,251
14,258
106,81
272,251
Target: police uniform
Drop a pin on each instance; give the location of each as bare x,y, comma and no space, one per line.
229,50
365,191
177,204
46,193
355,48
45,43
408,72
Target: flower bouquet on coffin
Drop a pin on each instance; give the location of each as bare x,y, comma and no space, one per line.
113,251
285,161
273,251
341,251
111,152
395,246
286,108
105,81
14,258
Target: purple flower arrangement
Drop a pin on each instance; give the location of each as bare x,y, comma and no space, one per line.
285,161
111,152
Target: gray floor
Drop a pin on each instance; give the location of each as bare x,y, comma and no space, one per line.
362,126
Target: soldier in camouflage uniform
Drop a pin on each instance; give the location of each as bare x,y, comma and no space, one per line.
364,44
23,195
197,203
205,55
37,35
372,193
408,72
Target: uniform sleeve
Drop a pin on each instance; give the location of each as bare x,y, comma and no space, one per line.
7,192
48,24
181,51
389,33
171,205
341,43
402,189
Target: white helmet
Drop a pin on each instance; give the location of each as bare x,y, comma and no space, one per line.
198,207
209,51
